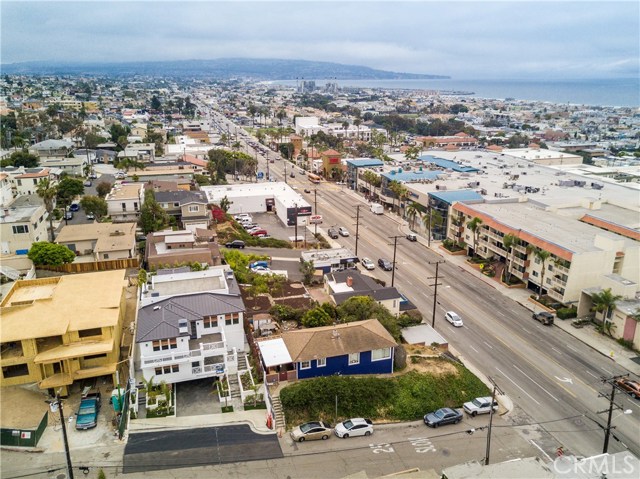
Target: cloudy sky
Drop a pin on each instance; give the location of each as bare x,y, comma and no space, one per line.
472,39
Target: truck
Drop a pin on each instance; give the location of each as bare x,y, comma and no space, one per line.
544,317
480,406
377,208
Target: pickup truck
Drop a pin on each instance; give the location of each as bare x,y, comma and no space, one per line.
479,406
87,416
544,317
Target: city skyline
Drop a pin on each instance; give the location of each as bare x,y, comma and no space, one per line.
543,40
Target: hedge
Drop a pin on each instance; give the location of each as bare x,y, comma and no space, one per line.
567,313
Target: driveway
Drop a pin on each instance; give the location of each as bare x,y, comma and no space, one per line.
155,451
195,398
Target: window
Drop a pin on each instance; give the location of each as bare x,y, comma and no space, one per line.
177,205
35,181
379,354
106,256
305,364
174,368
535,273
210,322
20,229
135,205
550,267
15,371
194,208
19,182
354,358
232,318
95,356
165,344
124,207
321,362
86,333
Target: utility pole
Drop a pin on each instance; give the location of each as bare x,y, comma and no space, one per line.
612,406
315,207
493,398
435,291
358,227
393,263
285,171
58,401
295,241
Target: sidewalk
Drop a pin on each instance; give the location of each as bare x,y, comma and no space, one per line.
603,344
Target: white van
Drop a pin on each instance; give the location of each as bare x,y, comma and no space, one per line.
377,208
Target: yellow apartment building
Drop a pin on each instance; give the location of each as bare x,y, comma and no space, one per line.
55,331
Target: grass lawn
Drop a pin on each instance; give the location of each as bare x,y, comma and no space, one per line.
434,384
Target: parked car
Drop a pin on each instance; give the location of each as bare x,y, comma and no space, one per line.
258,232
235,244
343,231
310,431
367,264
68,215
88,183
544,317
443,416
239,216
307,190
385,264
120,175
250,226
91,216
333,233
87,416
292,175
354,427
258,264
74,207
262,270
412,237
629,386
93,176
453,318
479,406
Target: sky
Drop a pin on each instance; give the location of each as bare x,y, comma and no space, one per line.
466,40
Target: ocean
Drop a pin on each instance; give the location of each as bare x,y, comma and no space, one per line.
611,92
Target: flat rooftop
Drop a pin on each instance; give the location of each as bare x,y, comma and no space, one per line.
285,194
123,191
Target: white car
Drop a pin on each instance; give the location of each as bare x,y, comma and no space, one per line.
354,427
262,270
480,406
454,319
342,231
367,264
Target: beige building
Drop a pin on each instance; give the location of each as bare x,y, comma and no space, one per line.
103,241
59,330
124,202
22,223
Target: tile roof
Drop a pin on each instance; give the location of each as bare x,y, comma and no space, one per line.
338,340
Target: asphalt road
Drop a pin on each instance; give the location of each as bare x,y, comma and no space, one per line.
154,451
552,378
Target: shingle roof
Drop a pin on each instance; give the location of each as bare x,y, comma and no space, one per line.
160,320
362,286
180,196
338,340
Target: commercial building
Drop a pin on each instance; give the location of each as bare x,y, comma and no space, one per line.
329,260
63,329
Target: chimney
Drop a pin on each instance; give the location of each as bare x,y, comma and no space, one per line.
335,334
349,281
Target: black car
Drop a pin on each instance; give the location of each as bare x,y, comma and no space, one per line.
443,416
333,233
385,264
235,244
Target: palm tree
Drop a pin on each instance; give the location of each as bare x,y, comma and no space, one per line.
605,302
357,122
430,219
394,187
510,242
542,255
47,191
413,211
474,226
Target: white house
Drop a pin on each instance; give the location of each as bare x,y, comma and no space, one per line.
124,202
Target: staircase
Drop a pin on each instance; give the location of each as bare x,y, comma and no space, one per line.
234,387
277,409
10,273
243,364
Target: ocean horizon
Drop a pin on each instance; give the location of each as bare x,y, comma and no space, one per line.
620,92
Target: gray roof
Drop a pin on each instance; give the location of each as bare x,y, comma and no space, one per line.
362,286
160,320
180,196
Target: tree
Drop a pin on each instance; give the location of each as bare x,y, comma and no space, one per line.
413,211
316,317
605,302
118,131
308,270
68,189
399,192
48,192
152,216
23,158
430,219
474,226
103,188
225,204
50,254
542,255
94,205
412,153
155,103
510,242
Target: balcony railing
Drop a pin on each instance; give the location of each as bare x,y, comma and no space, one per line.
218,368
207,349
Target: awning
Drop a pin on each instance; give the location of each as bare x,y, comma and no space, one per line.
274,352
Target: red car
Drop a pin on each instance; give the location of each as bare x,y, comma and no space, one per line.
258,232
629,386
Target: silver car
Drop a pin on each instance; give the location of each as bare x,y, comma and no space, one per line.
310,431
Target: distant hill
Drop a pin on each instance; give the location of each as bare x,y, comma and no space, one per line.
223,68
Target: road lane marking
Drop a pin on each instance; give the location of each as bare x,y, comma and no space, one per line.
556,350
518,386
526,330
541,450
474,349
591,374
572,349
488,345
564,380
534,382
606,370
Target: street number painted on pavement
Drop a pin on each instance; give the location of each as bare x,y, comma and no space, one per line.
422,444
378,448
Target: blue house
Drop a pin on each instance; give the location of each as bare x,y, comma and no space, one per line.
361,347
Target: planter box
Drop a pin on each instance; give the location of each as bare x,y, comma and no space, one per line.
542,306
453,253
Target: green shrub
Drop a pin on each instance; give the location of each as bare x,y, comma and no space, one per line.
567,313
410,318
627,343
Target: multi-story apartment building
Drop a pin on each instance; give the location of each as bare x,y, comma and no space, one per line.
183,335
22,222
59,330
26,183
6,189
124,202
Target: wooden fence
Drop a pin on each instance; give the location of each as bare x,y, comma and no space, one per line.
105,265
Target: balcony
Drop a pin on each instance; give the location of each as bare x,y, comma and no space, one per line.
552,293
209,369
